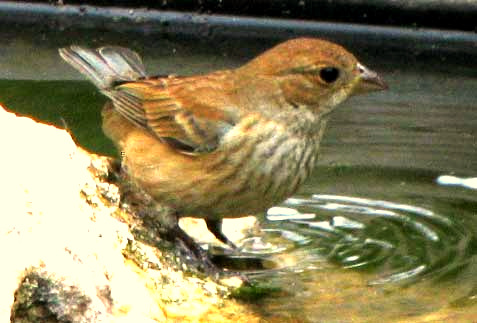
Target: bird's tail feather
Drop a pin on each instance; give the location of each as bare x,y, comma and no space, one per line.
105,66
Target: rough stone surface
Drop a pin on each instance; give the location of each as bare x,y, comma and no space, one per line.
69,253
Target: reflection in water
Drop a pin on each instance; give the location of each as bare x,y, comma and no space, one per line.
400,242
415,259
470,182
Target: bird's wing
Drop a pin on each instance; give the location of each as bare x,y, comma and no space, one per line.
190,113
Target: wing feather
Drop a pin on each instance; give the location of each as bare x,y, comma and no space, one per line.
178,109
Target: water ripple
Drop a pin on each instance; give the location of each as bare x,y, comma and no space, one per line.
399,242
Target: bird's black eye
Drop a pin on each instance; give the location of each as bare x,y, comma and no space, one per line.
329,74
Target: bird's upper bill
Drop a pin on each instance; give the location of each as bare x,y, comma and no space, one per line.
369,81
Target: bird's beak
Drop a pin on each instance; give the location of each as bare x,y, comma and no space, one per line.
369,81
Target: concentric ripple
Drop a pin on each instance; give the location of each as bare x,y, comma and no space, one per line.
399,242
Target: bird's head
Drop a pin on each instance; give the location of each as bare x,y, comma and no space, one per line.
315,73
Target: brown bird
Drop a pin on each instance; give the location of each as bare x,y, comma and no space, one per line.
229,143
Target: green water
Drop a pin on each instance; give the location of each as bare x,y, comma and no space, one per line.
66,104
382,240
383,245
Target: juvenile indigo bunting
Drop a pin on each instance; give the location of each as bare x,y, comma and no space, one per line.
228,143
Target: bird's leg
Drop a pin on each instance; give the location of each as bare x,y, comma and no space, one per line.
176,233
215,226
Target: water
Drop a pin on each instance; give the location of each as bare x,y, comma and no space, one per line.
402,254
72,105
374,236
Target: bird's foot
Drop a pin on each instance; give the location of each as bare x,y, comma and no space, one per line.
202,256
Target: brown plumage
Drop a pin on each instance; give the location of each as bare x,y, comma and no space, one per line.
228,143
